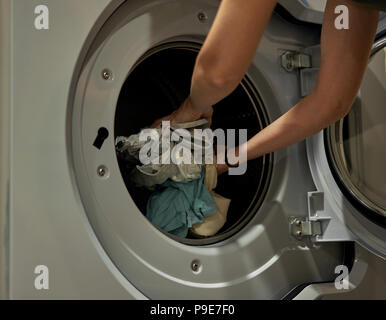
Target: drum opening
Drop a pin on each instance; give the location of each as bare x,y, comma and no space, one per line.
156,86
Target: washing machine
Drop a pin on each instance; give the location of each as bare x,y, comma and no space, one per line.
77,74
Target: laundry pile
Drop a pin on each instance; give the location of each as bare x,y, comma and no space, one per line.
182,199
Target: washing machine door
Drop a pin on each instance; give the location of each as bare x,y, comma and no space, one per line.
347,163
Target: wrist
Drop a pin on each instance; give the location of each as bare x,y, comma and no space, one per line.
234,155
197,107
221,168
188,108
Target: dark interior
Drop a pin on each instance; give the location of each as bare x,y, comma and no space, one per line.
156,87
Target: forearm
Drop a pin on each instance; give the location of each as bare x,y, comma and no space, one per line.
309,116
228,49
306,118
345,55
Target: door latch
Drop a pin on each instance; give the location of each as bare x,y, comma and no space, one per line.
295,60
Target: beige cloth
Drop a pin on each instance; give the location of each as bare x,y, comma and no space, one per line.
212,224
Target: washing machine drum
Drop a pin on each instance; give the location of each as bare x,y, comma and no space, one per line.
138,68
156,86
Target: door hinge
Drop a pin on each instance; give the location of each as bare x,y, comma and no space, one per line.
291,60
314,224
301,227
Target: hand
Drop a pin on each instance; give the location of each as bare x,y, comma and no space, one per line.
185,113
221,163
221,168
220,160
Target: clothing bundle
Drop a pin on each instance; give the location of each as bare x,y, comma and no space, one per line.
182,201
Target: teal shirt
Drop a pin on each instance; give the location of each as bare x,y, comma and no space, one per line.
177,206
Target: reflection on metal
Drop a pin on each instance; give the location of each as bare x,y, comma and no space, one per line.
317,5
357,280
302,227
317,219
356,143
307,11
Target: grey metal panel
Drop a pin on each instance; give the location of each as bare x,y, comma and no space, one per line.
255,263
48,225
371,285
5,100
303,11
366,280
345,220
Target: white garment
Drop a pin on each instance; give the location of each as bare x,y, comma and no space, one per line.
149,175
152,174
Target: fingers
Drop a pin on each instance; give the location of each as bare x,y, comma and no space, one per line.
208,118
184,114
207,115
157,123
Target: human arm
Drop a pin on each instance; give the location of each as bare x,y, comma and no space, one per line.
344,59
225,56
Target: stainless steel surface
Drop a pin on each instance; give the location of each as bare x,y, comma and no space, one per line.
349,215
303,227
5,144
356,142
106,74
202,16
101,171
93,239
196,266
47,224
366,280
295,60
305,10
252,261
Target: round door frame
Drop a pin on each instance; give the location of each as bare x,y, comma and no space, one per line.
345,221
158,266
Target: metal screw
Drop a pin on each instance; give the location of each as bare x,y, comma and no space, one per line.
298,222
202,17
101,171
106,74
299,233
195,266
